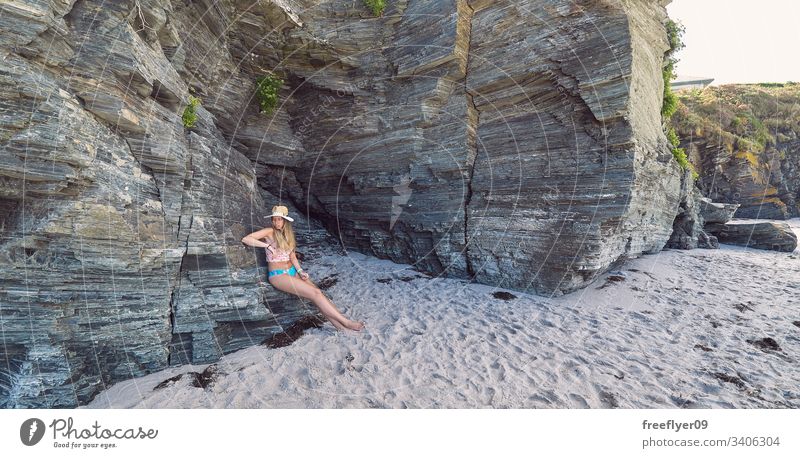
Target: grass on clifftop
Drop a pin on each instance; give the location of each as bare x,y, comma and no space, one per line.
744,118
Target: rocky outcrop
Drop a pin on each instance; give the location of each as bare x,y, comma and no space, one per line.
744,140
514,143
688,230
702,223
715,212
764,235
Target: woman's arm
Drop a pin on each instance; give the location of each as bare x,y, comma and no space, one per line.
296,262
253,238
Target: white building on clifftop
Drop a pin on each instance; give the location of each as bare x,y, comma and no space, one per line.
690,82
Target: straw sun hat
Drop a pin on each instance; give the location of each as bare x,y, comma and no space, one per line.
280,210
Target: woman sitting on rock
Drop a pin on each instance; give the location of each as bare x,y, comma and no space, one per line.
279,246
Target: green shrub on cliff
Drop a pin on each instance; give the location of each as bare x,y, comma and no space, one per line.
670,102
674,33
680,153
267,88
189,116
683,161
377,6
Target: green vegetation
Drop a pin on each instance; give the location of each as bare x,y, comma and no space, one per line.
740,116
267,88
788,83
751,129
680,153
674,33
377,6
190,112
750,122
670,104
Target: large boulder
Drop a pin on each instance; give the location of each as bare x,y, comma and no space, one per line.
764,235
716,212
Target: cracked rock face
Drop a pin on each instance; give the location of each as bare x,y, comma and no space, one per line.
528,157
516,143
120,250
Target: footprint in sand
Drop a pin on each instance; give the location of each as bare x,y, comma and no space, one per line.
578,401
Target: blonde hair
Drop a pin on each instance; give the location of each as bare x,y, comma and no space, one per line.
284,238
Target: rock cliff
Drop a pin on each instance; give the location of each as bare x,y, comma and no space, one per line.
518,144
744,140
529,157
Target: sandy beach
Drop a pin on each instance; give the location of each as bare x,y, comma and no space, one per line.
677,329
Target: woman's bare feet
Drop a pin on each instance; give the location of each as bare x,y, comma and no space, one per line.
356,325
336,324
349,324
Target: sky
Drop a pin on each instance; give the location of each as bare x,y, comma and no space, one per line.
739,41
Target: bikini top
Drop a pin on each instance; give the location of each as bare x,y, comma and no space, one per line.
280,255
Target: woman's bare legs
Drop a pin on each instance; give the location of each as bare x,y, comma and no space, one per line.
354,325
308,290
328,305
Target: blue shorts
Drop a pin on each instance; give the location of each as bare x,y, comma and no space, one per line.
291,271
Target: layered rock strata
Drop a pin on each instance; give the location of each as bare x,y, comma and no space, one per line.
526,157
121,229
518,144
